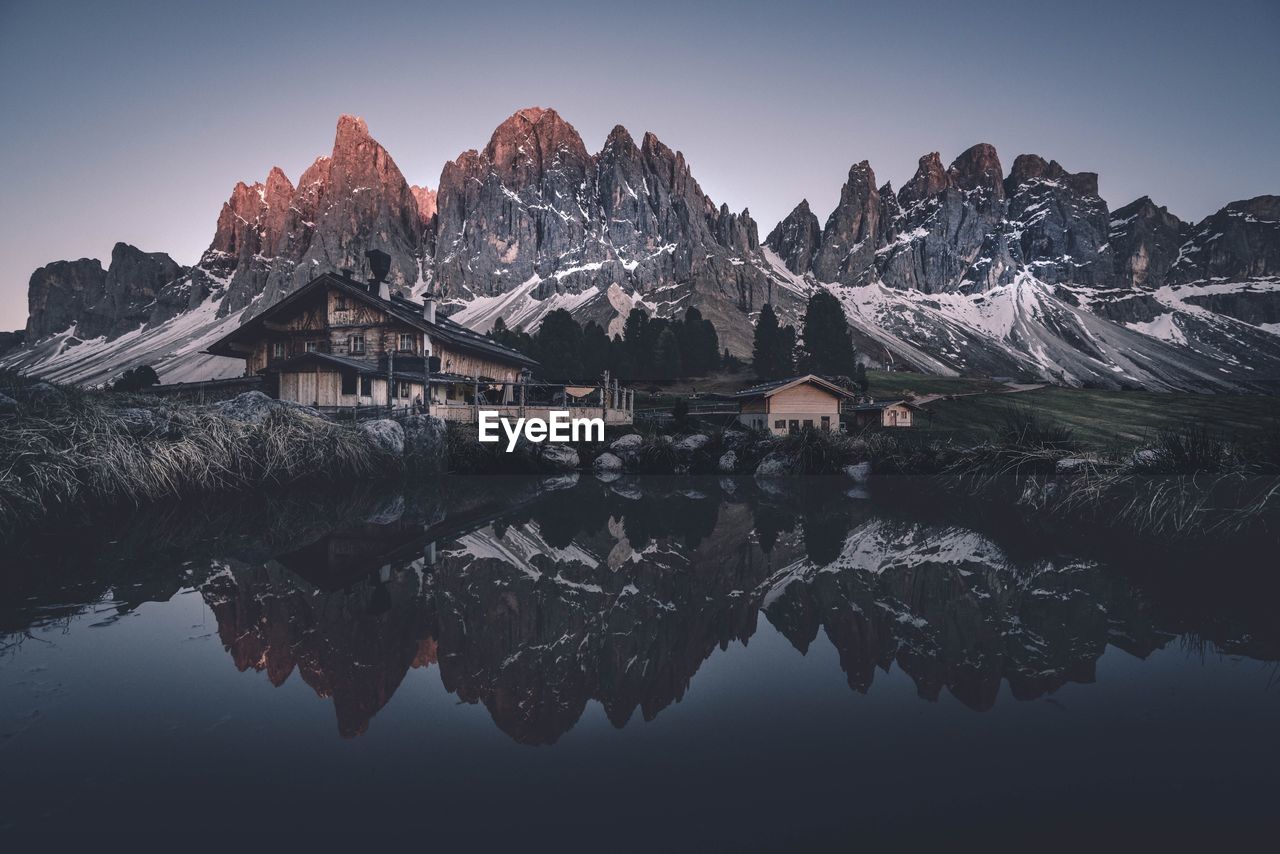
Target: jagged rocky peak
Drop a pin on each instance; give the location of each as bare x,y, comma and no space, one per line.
253,221
1242,240
133,281
1062,226
1144,240
797,238
1030,167
533,141
58,294
619,143
930,180
848,250
98,302
978,168
890,214
736,230
352,201
426,199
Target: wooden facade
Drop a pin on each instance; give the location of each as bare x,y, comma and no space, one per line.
338,344
890,413
788,406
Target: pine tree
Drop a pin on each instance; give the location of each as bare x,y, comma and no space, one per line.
620,363
828,346
634,338
772,352
595,352
786,358
666,356
559,346
764,345
860,379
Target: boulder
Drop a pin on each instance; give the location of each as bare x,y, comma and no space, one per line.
1072,465
426,443
607,462
567,480
139,422
738,440
690,445
1143,458
43,392
775,464
389,511
385,433
859,472
560,457
693,443
728,462
253,407
628,444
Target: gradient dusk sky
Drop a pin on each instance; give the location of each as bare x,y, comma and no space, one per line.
132,121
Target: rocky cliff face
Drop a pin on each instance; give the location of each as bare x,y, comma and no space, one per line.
1011,274
964,269
535,222
60,293
1144,242
98,302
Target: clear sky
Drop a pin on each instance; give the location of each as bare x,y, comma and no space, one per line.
132,121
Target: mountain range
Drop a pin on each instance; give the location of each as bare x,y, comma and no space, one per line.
966,269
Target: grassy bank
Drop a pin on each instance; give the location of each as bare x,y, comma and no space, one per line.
1105,418
63,447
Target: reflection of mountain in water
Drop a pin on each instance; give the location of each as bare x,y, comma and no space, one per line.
535,597
354,645
618,593
952,611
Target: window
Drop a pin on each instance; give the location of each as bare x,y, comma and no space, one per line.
278,350
408,341
313,346
826,423
404,389
366,386
779,424
808,424
340,304
355,345
349,382
794,426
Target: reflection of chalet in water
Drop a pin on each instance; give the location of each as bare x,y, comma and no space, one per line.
336,343
787,406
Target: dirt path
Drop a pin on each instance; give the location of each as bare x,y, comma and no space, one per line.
1010,388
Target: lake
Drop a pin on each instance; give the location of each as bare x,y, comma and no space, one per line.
650,663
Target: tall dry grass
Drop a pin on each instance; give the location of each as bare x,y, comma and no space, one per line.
65,448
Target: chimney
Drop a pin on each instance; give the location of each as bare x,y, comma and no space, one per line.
379,267
429,308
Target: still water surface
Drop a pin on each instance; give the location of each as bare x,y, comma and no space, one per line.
647,664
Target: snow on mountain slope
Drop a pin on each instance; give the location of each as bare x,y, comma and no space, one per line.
173,348
1022,328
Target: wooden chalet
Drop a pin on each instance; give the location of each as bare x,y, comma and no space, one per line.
341,345
788,406
884,413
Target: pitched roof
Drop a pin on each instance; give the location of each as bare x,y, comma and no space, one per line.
364,367
771,388
402,310
877,405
